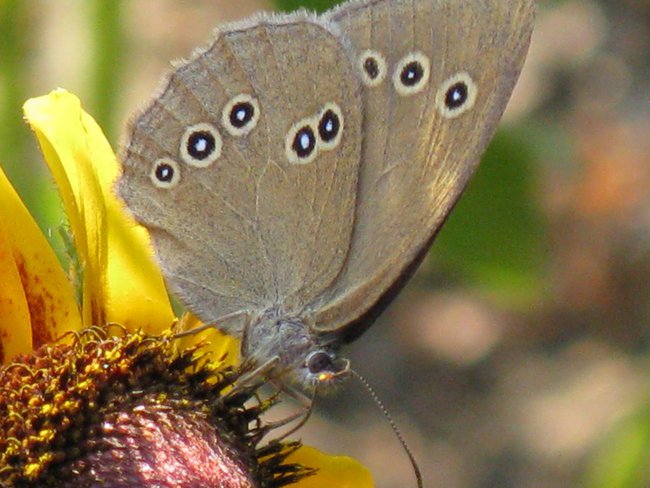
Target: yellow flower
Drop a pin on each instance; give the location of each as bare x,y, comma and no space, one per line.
120,284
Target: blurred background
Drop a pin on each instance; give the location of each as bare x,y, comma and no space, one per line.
519,354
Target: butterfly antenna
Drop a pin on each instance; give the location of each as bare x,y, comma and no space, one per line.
398,434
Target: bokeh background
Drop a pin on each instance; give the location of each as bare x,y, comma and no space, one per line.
519,354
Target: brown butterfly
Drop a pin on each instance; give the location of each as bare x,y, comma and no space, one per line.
294,172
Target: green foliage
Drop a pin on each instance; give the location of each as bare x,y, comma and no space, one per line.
624,458
107,63
18,156
315,5
494,235
14,20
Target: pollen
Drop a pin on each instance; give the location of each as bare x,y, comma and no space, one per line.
70,411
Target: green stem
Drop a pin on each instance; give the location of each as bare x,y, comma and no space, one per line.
107,64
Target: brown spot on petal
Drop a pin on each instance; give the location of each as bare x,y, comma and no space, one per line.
39,301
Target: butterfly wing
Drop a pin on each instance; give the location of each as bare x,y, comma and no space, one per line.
244,168
437,75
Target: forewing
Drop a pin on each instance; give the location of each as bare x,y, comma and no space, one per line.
257,226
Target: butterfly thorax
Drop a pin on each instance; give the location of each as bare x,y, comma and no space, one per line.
302,356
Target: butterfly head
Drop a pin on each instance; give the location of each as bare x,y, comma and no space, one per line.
302,356
325,368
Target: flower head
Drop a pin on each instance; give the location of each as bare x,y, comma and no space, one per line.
99,392
121,411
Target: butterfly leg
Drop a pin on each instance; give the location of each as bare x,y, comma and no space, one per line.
243,348
261,373
307,404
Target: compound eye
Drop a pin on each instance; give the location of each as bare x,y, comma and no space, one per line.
319,361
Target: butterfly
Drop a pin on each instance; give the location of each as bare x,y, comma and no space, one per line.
294,172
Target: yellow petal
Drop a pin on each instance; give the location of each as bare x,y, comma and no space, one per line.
15,330
217,343
339,471
121,281
37,301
